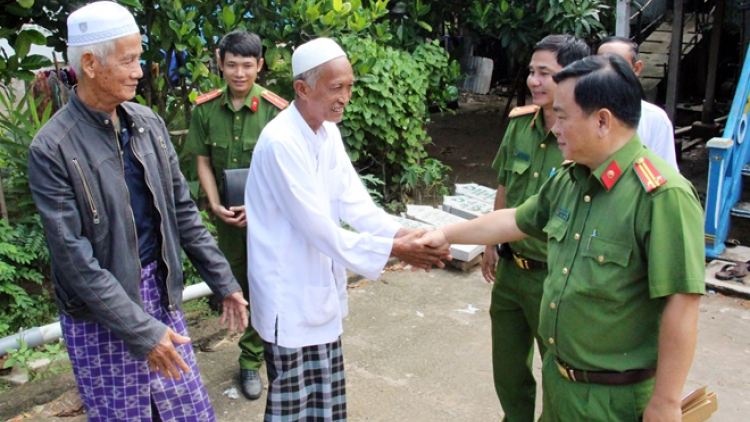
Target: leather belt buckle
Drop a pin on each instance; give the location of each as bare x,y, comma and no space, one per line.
565,372
521,262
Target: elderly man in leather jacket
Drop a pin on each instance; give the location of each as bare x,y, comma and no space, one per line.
116,211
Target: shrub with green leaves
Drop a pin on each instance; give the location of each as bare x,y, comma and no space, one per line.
384,124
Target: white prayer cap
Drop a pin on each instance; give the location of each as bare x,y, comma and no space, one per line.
98,22
314,53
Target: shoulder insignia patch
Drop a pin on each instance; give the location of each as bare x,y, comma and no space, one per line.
274,99
208,96
649,175
611,174
521,111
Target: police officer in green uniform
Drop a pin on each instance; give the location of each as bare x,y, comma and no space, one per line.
224,128
620,307
527,158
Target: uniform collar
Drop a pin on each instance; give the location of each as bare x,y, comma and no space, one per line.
537,124
254,93
608,174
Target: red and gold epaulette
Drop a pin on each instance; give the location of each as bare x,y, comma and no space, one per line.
649,175
521,111
275,99
208,96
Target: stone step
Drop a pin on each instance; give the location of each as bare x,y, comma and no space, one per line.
465,207
438,218
475,191
731,287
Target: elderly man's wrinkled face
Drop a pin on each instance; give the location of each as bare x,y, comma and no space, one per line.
332,92
115,81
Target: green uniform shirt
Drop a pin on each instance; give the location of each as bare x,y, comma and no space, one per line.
613,257
527,158
227,135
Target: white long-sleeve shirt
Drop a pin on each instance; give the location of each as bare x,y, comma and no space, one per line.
300,185
657,133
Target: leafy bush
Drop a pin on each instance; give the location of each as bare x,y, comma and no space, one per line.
384,124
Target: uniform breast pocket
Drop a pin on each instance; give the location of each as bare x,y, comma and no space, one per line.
518,165
556,229
603,261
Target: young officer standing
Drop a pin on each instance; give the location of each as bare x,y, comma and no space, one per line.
224,129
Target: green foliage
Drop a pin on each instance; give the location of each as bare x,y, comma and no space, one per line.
20,64
24,357
384,124
428,182
190,274
19,123
24,261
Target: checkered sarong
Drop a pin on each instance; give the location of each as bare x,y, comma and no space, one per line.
307,384
116,387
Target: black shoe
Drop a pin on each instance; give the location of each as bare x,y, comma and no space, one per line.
251,385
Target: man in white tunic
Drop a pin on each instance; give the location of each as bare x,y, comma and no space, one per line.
655,129
301,185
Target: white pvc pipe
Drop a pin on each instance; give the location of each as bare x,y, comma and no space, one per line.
37,336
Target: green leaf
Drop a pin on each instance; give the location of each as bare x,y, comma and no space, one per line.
228,17
26,38
131,3
26,4
337,5
425,25
504,6
35,61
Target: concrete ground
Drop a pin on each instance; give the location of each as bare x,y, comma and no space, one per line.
417,348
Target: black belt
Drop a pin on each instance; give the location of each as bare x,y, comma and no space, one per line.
632,376
504,251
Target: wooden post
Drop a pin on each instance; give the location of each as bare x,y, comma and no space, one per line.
713,57
622,24
675,54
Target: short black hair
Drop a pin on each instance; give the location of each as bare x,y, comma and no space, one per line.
627,41
606,81
241,43
567,48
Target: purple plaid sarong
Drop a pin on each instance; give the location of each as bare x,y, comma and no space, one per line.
306,384
116,387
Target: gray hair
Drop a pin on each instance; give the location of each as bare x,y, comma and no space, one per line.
100,51
310,77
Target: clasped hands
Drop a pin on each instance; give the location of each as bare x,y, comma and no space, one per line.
421,248
164,357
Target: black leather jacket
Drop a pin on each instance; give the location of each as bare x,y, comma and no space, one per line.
77,180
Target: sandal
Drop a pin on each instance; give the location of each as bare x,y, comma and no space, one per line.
734,272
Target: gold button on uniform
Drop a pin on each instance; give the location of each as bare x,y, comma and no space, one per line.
237,118
543,146
235,160
586,198
536,174
565,271
576,236
601,258
236,138
552,305
214,143
551,340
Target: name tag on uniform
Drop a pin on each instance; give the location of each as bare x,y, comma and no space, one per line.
562,213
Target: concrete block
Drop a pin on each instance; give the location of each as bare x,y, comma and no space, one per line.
466,207
475,191
438,218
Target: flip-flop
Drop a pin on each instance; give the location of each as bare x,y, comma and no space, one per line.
736,271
